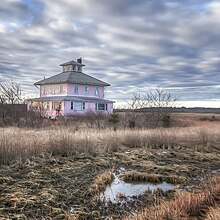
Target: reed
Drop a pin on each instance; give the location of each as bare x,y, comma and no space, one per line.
186,205
18,143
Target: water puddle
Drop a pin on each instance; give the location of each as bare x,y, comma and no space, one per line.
215,171
122,191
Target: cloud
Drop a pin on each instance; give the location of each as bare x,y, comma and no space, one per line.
134,45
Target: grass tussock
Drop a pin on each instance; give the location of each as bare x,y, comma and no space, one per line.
213,213
136,176
101,181
18,143
187,205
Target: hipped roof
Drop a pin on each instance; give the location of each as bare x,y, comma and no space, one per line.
72,77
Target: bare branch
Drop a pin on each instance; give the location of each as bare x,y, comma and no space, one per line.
10,92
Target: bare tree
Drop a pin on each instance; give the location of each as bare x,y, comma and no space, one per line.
150,108
160,101
136,103
160,98
11,92
2,99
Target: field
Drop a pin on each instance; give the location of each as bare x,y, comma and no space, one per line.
59,172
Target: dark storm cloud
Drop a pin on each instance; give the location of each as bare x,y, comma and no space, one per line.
134,45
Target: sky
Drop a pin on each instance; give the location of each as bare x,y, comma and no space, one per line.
135,45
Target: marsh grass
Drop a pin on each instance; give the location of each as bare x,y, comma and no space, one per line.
135,176
102,181
19,143
187,205
213,213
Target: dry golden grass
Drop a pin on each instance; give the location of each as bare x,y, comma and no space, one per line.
213,213
152,178
18,143
186,205
54,184
101,181
142,177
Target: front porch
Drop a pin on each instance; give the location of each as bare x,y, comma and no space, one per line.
47,108
64,106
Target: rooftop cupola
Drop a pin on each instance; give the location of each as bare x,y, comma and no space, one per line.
75,66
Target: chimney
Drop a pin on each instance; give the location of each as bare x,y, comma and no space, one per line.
79,60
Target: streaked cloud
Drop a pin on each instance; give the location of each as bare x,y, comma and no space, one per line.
134,45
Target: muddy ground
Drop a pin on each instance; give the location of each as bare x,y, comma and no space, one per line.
60,187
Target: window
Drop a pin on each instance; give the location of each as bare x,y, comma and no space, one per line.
86,89
101,106
56,105
76,89
61,89
96,91
77,106
53,89
44,90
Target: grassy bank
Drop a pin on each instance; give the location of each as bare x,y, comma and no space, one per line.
59,174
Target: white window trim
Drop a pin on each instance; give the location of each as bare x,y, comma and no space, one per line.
73,106
97,106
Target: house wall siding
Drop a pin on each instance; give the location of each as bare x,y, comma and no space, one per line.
89,107
68,89
81,90
53,90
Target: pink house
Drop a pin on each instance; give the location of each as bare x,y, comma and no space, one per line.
71,92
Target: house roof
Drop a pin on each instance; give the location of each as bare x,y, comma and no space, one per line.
72,77
72,62
71,98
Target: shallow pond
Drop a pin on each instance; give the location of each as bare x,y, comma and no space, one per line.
120,190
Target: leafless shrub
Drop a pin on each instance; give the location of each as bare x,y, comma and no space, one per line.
10,92
153,107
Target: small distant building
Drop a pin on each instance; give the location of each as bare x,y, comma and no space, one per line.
71,92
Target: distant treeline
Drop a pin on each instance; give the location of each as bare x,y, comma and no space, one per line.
174,110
